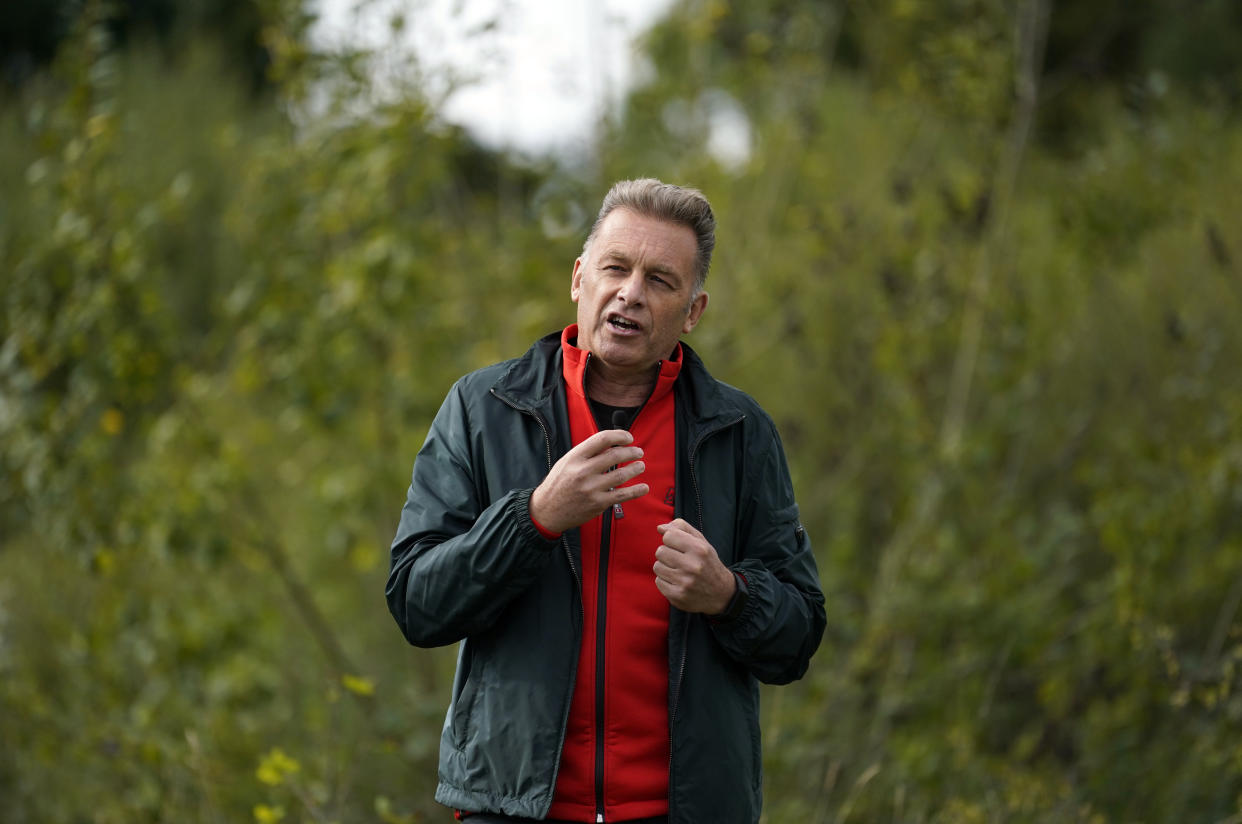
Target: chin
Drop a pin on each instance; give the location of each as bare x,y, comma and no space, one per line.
623,356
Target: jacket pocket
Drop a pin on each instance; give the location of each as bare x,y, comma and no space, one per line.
750,705
465,691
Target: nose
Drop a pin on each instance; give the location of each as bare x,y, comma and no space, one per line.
633,290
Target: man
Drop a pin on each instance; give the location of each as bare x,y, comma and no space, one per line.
612,535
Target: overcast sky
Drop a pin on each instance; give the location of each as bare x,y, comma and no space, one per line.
542,70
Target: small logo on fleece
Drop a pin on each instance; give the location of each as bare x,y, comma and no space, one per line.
669,497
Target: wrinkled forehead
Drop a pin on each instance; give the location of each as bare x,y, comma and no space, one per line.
627,233
625,228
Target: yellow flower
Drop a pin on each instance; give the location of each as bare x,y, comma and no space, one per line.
112,421
268,815
275,767
358,684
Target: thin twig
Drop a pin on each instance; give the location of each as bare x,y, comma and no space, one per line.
1032,31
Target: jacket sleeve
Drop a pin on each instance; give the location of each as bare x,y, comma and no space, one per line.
783,620
458,560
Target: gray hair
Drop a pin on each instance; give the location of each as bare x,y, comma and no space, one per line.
664,201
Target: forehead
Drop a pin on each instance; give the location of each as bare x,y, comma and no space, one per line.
626,233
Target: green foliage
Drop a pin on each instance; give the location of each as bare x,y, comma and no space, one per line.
1006,375
31,34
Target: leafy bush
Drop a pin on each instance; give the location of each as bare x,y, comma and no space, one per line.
1006,374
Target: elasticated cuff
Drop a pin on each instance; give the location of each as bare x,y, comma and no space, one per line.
737,604
530,530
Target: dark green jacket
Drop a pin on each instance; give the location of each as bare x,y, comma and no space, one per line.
468,565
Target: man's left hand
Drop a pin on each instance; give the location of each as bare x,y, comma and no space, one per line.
688,571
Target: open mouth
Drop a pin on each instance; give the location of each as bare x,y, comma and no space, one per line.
622,324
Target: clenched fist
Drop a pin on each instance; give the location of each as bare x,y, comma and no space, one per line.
688,571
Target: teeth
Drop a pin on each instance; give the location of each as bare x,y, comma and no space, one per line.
624,324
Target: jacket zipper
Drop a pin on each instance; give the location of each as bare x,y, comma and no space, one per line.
685,632
569,556
547,445
601,603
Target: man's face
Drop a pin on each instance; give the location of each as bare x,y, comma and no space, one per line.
633,287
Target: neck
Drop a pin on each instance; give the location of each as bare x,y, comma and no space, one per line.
624,389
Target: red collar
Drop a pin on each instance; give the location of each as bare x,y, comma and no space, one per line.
575,364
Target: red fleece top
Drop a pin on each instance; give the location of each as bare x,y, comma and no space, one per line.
635,737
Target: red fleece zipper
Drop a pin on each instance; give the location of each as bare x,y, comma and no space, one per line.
614,759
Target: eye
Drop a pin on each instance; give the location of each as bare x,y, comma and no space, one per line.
662,281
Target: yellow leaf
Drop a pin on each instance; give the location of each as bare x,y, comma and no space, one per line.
358,684
363,557
268,815
275,767
104,561
112,421
97,125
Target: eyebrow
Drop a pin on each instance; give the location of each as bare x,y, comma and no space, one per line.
657,267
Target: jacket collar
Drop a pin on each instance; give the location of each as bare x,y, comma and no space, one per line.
700,395
532,380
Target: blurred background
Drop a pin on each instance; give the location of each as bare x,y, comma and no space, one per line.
980,259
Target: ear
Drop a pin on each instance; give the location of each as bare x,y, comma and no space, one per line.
575,283
695,312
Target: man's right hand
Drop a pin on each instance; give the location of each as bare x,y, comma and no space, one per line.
583,483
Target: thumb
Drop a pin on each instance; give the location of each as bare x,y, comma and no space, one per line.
679,524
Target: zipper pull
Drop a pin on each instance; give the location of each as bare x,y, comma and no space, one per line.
619,421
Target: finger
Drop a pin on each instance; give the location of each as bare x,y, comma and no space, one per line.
615,456
601,441
667,558
666,589
679,525
679,540
626,473
628,493
684,567
666,575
